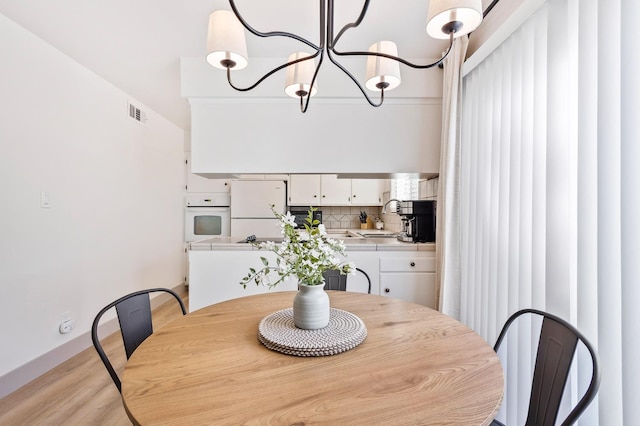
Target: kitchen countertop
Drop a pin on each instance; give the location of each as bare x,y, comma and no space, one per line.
350,238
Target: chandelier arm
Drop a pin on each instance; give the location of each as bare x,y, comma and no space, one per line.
344,70
255,32
398,59
333,40
273,71
313,81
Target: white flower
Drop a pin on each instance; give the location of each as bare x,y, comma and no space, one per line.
288,219
307,254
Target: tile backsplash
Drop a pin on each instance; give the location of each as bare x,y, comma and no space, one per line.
346,217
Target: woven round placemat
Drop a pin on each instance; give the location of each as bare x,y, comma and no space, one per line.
278,333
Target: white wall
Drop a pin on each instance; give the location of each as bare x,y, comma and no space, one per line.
263,131
115,186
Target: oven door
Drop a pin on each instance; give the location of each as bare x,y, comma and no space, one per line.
207,222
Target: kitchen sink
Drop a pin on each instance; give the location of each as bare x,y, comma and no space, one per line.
340,235
375,233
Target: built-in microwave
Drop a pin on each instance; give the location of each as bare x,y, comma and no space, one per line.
301,216
207,216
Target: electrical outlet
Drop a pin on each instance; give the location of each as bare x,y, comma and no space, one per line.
66,326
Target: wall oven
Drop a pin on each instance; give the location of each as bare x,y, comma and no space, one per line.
206,216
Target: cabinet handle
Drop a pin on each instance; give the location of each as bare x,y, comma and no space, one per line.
386,290
413,264
324,196
315,196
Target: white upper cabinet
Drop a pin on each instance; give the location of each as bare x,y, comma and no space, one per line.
328,190
304,190
197,183
366,192
335,192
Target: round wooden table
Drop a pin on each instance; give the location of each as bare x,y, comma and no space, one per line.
416,366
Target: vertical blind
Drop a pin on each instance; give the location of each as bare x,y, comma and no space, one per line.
503,182
548,214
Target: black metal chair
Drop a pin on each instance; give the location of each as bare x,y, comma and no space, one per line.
334,280
134,316
556,349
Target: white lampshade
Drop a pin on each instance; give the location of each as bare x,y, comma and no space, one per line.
383,70
300,75
442,12
225,40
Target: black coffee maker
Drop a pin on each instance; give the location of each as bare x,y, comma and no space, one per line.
418,220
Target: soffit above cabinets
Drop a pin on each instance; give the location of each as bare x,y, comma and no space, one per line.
336,138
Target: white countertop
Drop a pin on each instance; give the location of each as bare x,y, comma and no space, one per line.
350,238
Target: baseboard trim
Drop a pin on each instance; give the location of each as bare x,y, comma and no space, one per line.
15,379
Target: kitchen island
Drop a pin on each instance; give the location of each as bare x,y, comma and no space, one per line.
397,269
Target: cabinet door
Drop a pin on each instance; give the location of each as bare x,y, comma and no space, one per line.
335,192
417,288
214,276
366,192
197,183
368,261
304,190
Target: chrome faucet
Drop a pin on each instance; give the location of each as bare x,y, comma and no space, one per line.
384,208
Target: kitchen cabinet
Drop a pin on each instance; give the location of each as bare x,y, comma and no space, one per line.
335,192
409,276
328,190
304,190
400,271
197,183
366,192
368,262
214,276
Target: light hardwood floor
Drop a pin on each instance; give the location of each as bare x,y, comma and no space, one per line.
79,391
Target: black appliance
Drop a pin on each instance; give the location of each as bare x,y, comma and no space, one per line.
301,216
418,220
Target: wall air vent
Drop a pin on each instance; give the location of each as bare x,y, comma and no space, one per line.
137,114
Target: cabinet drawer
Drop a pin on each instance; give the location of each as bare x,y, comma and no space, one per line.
407,264
418,288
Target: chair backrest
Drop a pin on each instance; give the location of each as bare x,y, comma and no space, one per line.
134,316
334,280
556,349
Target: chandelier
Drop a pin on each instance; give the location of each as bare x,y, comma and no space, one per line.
227,49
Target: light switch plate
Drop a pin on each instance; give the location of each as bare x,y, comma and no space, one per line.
45,200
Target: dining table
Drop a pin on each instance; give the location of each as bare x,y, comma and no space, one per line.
415,366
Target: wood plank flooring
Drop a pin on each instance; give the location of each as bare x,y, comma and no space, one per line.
79,391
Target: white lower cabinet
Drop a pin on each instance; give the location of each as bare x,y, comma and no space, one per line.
367,261
214,276
409,276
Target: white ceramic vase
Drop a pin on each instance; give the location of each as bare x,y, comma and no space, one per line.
311,307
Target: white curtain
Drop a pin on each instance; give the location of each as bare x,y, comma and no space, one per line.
549,198
448,249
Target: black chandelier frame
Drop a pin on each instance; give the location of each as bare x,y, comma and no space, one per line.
328,44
